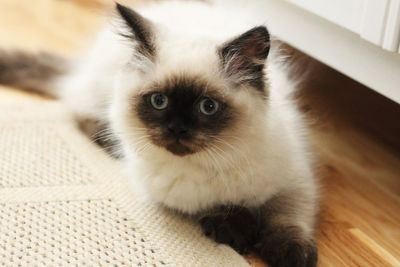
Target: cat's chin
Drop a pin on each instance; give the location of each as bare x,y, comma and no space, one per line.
179,149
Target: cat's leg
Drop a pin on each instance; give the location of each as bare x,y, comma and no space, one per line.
235,226
286,239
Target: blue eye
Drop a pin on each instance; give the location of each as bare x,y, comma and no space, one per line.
208,106
159,101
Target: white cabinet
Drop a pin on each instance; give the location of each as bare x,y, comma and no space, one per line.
377,21
359,38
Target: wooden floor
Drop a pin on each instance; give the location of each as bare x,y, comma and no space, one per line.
356,133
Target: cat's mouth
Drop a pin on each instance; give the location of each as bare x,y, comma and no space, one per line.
179,148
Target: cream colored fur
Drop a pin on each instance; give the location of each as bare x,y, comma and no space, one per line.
264,156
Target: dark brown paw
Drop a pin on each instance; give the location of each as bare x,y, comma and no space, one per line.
236,227
284,248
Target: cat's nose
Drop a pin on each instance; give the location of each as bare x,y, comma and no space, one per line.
177,129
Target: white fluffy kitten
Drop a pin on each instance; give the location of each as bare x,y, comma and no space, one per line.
204,117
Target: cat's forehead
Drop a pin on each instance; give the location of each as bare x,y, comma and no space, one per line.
185,86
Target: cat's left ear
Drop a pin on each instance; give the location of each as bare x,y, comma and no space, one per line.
140,29
243,58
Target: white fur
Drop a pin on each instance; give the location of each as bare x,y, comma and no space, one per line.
268,154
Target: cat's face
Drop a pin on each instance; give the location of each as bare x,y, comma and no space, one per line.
186,110
184,116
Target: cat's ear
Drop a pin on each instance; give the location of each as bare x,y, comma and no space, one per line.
140,29
243,58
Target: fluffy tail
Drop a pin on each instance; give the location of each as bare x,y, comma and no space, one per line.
34,72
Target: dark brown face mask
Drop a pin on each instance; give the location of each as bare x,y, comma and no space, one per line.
183,117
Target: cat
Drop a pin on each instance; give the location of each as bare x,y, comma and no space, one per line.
197,98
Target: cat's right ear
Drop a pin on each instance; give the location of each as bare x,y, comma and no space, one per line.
243,58
140,29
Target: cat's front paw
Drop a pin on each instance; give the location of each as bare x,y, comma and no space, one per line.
238,229
284,248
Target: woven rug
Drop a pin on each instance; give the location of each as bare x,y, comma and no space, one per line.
64,202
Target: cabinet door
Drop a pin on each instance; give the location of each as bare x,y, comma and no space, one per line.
374,19
391,39
346,13
377,21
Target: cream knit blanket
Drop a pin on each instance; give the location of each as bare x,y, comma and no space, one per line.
64,202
